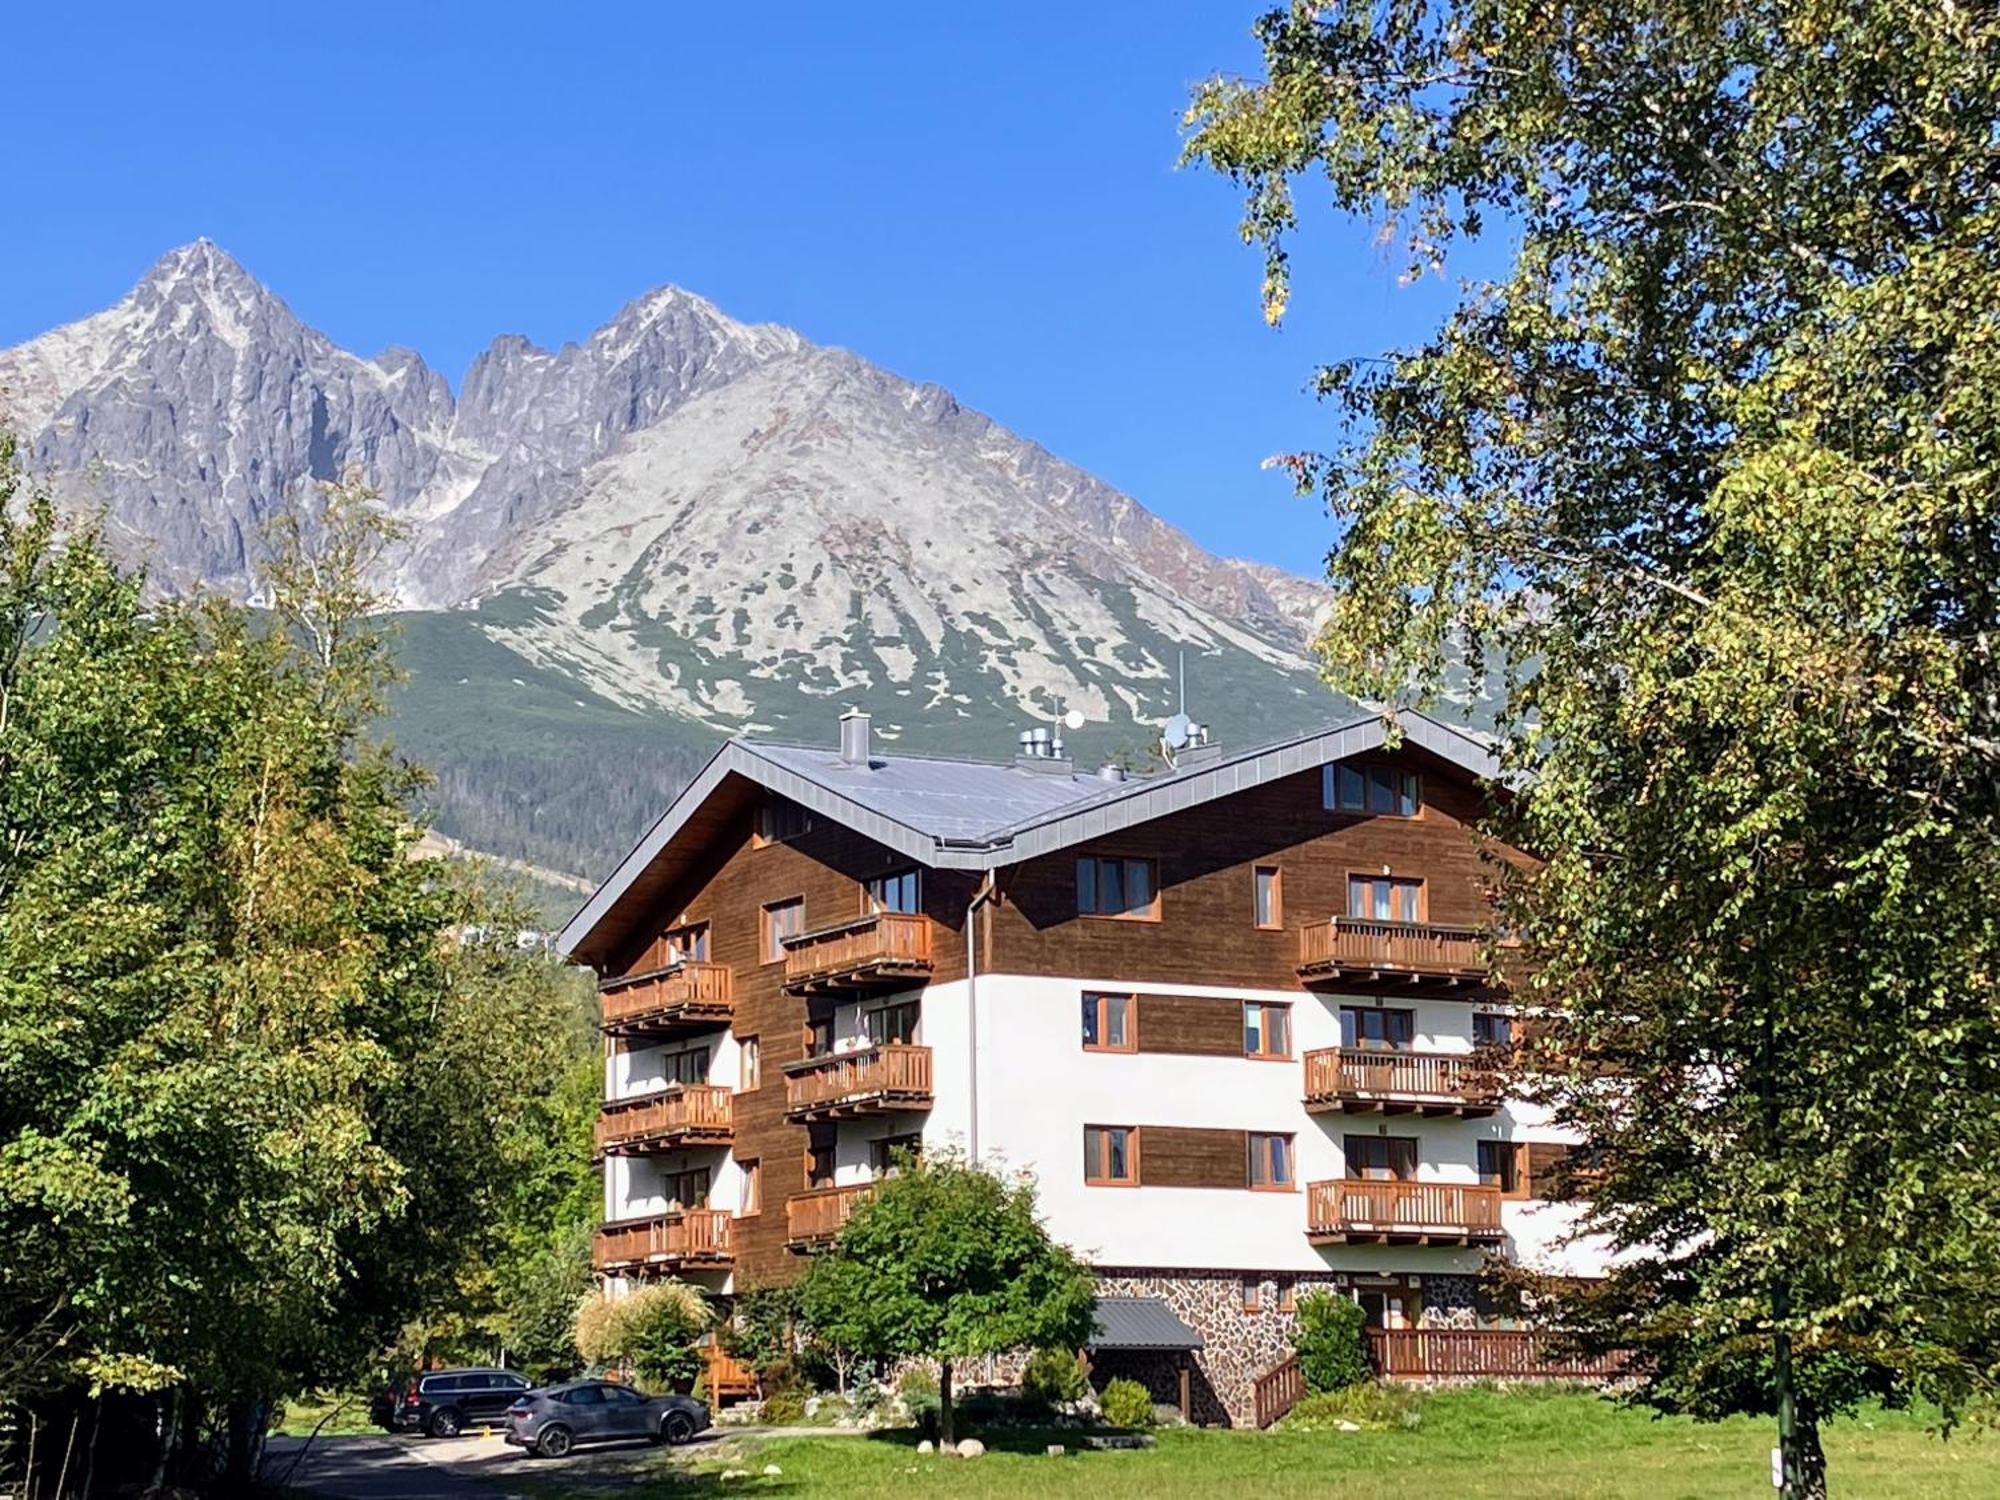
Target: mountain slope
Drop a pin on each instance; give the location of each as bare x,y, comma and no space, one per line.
680,527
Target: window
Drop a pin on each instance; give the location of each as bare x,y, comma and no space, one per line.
749,1064
1500,1166
1382,1158
1267,902
898,892
618,1395
1109,1023
885,1155
1270,1161
1251,1290
585,1395
750,1190
1492,1029
1385,898
1267,1029
1288,1294
1111,1155
686,944
685,1067
891,1023
782,919
1373,787
687,1189
818,1037
1117,888
1377,1030
819,1164
1390,1309
778,820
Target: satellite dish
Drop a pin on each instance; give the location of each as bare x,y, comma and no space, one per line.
1177,732
1073,720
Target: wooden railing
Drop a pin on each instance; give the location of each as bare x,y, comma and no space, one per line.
890,1075
814,1218
685,991
1421,948
676,1112
1374,1207
885,945
1479,1354
1277,1391
724,1377
1365,1075
691,1236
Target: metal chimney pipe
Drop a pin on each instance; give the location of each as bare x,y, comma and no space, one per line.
855,734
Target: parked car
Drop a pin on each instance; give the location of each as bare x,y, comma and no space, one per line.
443,1403
552,1421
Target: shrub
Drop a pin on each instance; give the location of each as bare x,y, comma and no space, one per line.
1379,1407
653,1328
1054,1378
785,1409
1333,1348
1126,1403
919,1390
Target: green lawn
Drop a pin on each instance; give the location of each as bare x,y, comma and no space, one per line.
1469,1445
345,1416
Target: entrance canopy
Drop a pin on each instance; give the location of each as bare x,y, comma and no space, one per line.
1141,1323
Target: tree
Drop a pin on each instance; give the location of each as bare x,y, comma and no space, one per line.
1333,1348
655,1328
1705,473
946,1261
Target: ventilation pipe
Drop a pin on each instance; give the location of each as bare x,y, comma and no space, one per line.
854,737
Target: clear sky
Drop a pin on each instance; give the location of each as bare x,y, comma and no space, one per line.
984,196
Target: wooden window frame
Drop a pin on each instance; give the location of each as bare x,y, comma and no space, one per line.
767,928
753,1180
760,839
749,1064
1288,1294
1250,1293
868,906
884,1145
1517,1154
684,930
1423,889
1277,922
1093,1169
1150,912
1097,998
1329,789
1267,1006
1354,1174
1361,1044
806,1166
867,1015
1251,1141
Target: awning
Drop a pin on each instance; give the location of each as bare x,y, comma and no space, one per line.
1141,1323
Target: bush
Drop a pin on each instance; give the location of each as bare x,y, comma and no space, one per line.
1333,1348
785,1408
1377,1407
1126,1403
1054,1378
919,1390
654,1329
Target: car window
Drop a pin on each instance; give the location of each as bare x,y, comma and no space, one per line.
511,1383
587,1395
434,1384
618,1393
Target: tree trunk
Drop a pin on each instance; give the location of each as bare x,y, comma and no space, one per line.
1805,1466
243,1446
945,1436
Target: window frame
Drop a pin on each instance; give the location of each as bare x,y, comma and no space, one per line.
871,905
765,829
1417,883
1288,1294
1348,1153
749,1064
1097,1164
883,1147
1387,1045
1253,1139
870,1015
683,936
1276,921
1516,1168
1488,1020
1250,1294
770,942
1097,999
1150,912
1401,784
1264,1052
752,1203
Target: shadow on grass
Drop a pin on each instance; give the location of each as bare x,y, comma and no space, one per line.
1011,1439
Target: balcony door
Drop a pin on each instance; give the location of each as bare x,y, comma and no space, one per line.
1385,898
901,892
1389,1309
891,1023
1376,1030
1382,1158
684,1190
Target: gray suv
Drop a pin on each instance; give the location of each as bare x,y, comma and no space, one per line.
552,1421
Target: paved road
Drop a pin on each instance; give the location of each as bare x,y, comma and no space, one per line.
415,1468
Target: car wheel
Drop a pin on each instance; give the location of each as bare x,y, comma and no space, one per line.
445,1422
678,1428
555,1441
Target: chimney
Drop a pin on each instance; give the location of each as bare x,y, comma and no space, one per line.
854,737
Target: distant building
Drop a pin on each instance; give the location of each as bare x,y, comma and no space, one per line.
1229,1015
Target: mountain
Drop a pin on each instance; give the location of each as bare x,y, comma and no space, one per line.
681,527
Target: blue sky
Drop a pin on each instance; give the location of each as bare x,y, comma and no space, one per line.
981,196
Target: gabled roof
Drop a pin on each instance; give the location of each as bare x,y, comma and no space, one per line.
968,814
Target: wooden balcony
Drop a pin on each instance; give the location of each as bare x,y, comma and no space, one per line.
684,1114
874,1081
1479,1354
885,951
1360,952
693,1239
1367,1080
689,996
813,1219
1352,1210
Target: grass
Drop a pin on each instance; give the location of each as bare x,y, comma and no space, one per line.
303,1413
1473,1445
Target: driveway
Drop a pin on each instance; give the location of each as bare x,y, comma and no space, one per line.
417,1468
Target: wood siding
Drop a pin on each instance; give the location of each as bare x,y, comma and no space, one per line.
1196,1024
1185,1156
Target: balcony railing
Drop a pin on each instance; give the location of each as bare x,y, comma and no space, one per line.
1352,1209
1362,949
876,1080
691,1239
813,1219
684,1114
683,997
1277,1390
1479,1354
1358,1080
884,950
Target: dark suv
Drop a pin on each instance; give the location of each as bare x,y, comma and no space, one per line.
443,1403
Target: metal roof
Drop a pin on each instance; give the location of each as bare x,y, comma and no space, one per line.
981,815
1140,1323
